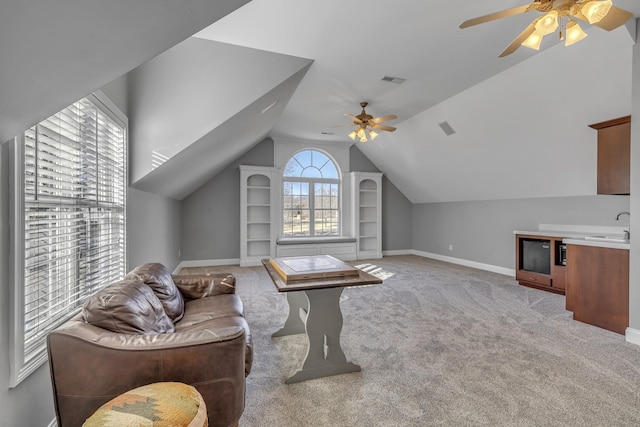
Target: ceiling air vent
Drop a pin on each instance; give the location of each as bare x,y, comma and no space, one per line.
446,127
396,80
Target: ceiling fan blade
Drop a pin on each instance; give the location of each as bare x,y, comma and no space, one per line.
354,118
518,40
384,118
383,127
615,18
498,15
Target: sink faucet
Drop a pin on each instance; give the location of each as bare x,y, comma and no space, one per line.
627,234
622,213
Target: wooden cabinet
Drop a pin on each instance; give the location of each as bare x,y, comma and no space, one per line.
539,262
598,286
614,162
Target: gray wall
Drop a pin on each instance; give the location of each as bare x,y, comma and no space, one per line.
153,229
482,231
396,208
211,214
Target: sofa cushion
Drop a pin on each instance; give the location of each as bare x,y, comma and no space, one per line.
128,307
194,286
159,279
203,309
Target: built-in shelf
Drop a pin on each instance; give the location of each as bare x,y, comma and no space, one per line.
256,216
367,213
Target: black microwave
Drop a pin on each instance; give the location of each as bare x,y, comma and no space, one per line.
562,254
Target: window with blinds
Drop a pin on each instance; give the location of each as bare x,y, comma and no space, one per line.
74,192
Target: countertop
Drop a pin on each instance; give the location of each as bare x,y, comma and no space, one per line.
575,234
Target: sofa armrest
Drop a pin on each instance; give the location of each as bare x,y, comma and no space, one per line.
90,366
194,286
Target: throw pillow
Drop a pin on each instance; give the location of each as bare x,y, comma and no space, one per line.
159,279
128,307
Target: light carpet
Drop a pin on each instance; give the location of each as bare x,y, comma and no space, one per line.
441,345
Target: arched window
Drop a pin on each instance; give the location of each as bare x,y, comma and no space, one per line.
311,189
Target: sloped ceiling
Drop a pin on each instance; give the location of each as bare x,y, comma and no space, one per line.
200,105
54,52
521,133
521,121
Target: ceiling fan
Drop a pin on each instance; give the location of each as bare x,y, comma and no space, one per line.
601,13
364,121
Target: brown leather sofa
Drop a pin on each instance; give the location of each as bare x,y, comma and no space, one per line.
152,327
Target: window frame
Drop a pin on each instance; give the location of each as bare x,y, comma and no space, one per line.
312,181
23,364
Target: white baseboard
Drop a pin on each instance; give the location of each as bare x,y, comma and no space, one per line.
452,260
473,264
207,263
398,252
632,336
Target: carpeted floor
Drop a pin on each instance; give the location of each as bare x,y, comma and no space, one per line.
440,344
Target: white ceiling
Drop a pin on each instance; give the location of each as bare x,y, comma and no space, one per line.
520,121
54,52
449,75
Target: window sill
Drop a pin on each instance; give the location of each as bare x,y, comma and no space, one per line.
313,240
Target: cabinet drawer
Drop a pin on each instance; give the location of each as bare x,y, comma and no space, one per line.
538,279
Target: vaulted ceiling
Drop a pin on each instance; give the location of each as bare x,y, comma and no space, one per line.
520,122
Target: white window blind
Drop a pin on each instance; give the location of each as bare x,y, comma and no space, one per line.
74,193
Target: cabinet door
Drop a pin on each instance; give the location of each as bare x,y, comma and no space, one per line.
598,286
614,144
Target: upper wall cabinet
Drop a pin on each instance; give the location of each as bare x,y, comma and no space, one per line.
614,163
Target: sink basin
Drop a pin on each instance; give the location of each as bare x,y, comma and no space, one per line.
616,239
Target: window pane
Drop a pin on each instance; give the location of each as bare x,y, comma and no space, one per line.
311,168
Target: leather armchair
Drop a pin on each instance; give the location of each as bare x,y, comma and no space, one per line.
208,348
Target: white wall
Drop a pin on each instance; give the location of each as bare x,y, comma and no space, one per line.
31,402
55,52
634,254
153,234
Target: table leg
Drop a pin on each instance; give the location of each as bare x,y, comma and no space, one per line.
323,325
294,324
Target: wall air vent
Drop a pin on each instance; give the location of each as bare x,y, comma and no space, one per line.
446,127
396,80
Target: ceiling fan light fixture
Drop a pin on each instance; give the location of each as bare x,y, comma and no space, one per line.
360,134
373,135
595,11
574,33
533,41
548,23
353,135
